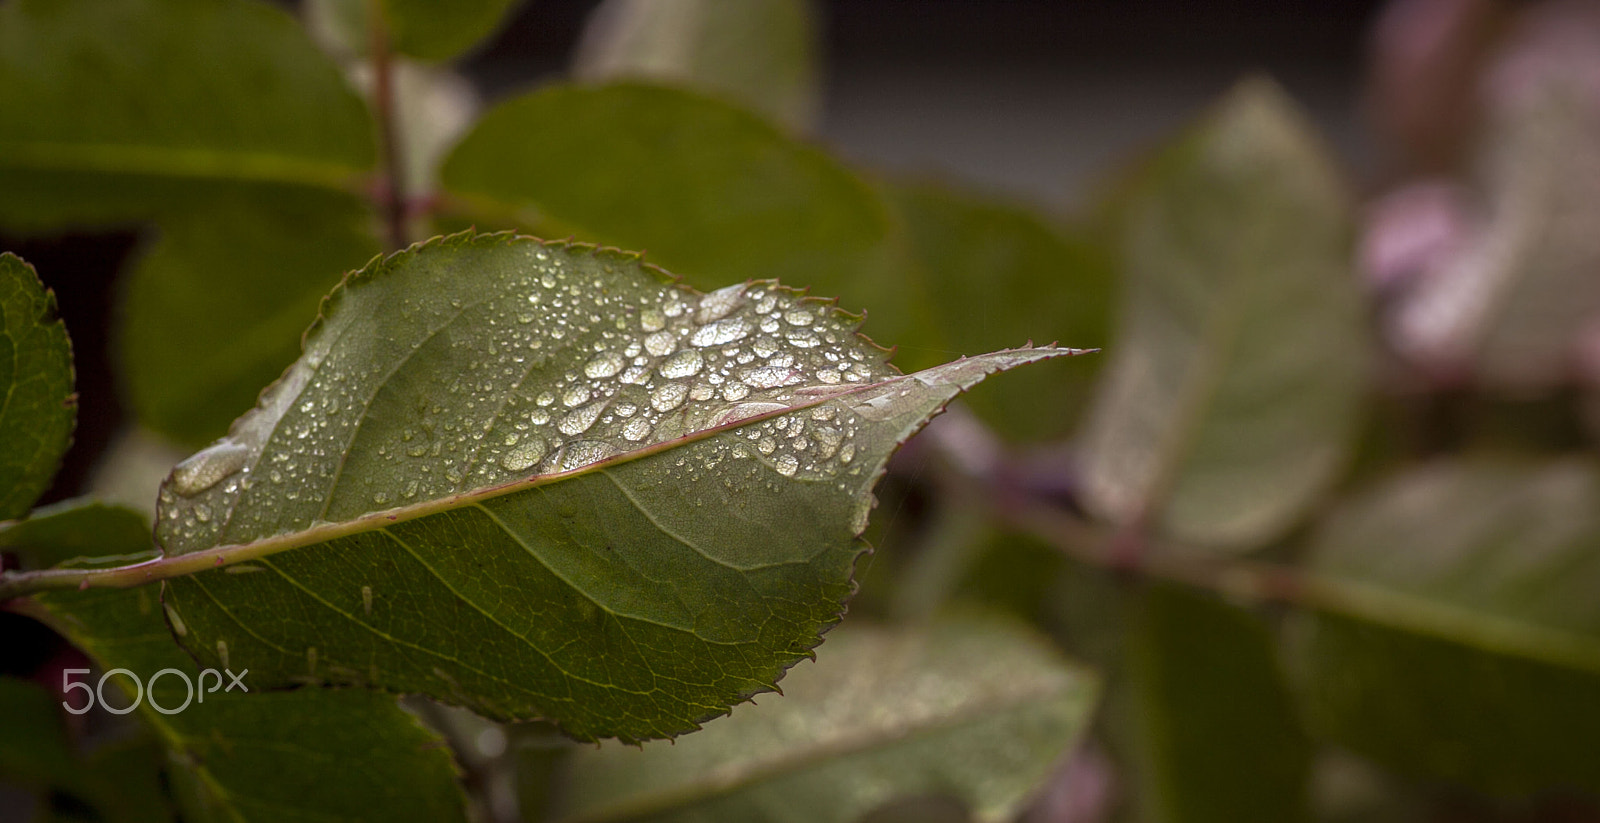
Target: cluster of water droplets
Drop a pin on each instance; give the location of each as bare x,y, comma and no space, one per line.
575,358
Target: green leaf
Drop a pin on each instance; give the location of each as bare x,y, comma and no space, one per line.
214,311
993,271
1236,372
38,407
759,53
1461,636
706,187
125,781
112,110
1216,737
34,750
75,528
639,503
425,29
978,708
257,756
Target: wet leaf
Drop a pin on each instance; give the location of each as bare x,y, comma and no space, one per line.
759,53
116,110
256,756
36,381
639,503
977,708
214,311
1214,728
1462,635
1236,371
705,187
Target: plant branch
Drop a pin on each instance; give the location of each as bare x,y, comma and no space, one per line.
392,192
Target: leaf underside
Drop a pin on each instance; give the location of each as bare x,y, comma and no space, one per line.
541,480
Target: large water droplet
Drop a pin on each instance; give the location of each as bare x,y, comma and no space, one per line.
636,429
583,452
576,396
207,467
721,331
577,422
685,363
523,456
767,377
719,304
661,343
668,396
651,319
786,464
603,365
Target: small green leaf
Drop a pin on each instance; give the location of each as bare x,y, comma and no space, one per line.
759,53
1236,372
1216,737
34,750
425,29
75,528
257,756
39,406
1461,637
992,270
976,708
112,110
705,187
215,309
639,503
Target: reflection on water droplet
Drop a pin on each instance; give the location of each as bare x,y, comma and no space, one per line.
578,421
721,332
583,452
636,429
786,464
207,467
735,391
798,317
766,445
719,304
575,396
523,456
683,364
604,365
668,396
651,319
661,343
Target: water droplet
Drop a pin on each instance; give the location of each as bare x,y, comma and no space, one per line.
767,377
523,456
651,319
583,452
766,445
847,453
668,396
578,421
797,317
576,396
202,513
786,464
545,398
719,304
604,365
636,429
207,467
539,417
735,391
685,363
661,343
366,599
635,376
175,621
721,332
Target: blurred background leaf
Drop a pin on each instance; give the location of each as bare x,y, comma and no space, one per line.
1236,371
758,53
1461,638
973,707
431,30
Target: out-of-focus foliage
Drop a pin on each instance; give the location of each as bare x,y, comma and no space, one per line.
1264,633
